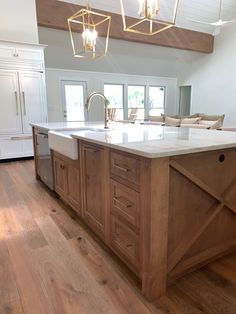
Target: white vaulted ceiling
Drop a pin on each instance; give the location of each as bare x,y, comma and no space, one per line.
203,10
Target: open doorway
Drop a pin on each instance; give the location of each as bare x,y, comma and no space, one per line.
185,93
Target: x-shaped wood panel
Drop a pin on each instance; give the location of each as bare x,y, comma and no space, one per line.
187,243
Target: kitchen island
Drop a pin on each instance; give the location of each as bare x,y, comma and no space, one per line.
163,199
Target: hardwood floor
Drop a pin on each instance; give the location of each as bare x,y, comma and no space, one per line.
51,263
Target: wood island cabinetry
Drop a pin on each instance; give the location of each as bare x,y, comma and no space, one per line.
67,180
94,183
164,217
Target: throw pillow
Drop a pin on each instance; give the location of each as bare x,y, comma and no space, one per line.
207,122
190,120
156,118
172,121
217,124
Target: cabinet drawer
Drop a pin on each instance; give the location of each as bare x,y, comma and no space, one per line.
28,54
125,167
6,52
16,146
125,202
125,242
14,56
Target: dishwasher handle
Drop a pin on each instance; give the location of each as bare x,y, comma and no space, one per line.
42,135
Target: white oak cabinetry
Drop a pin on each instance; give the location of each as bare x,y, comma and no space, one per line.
22,96
164,217
94,192
67,180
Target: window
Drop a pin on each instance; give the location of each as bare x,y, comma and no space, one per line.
73,100
115,94
136,101
156,100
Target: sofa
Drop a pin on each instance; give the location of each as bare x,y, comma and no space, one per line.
198,120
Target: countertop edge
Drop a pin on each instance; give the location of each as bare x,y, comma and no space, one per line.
186,151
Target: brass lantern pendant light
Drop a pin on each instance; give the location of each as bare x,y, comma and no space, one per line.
148,17
85,26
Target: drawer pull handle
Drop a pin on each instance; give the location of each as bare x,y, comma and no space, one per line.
121,203
119,167
62,167
21,138
17,105
24,106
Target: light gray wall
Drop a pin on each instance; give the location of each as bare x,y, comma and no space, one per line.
213,78
95,81
126,63
18,21
123,56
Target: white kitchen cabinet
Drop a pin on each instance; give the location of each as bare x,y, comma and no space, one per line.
10,114
32,100
22,97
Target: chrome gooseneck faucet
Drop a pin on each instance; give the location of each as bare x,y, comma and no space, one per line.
106,103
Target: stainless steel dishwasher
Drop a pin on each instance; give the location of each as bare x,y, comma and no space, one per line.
45,167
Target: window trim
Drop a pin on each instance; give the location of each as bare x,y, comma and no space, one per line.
164,102
63,83
146,96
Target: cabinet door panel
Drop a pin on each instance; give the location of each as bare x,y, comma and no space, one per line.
10,115
73,184
94,211
60,176
32,99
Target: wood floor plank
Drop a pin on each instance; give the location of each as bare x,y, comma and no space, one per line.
33,296
213,298
52,264
81,280
116,288
9,297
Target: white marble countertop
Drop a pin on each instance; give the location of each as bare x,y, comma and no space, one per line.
63,126
151,141
158,141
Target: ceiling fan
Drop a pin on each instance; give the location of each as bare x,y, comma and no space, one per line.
217,24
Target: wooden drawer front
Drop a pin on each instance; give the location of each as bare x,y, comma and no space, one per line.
125,241
125,167
125,202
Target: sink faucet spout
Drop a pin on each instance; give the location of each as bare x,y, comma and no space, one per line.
106,103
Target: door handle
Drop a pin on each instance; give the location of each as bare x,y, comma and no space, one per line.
24,106
17,105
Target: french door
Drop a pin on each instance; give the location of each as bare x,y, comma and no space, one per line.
74,95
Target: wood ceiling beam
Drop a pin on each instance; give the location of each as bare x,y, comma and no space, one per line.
54,14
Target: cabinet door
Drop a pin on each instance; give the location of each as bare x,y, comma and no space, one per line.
73,184
32,99
60,176
94,209
10,115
